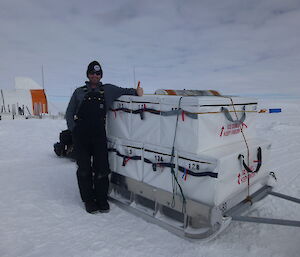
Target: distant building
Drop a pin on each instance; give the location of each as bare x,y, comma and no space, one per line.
28,98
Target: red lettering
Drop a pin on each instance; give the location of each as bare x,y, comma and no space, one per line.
227,133
236,131
243,176
244,179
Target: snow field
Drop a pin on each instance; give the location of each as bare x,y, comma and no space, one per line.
41,213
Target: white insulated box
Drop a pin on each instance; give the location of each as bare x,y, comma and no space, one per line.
232,175
204,122
145,124
128,159
197,176
119,119
156,174
211,178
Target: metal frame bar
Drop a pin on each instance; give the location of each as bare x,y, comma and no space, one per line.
246,204
292,223
235,212
286,197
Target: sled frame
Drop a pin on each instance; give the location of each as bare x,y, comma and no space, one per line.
196,221
236,212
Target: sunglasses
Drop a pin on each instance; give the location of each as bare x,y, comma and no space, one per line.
95,72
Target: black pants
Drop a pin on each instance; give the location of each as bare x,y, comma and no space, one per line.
92,160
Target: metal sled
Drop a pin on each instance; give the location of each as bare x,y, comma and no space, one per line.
195,220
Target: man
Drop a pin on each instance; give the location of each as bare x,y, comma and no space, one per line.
86,115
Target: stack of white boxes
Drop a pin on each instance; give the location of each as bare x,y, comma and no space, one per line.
208,142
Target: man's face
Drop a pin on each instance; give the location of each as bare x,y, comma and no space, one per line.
94,77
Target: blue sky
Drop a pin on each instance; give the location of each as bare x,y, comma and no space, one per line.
234,46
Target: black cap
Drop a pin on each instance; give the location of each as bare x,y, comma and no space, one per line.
94,66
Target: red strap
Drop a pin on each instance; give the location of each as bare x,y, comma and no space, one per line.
126,160
185,176
221,134
182,115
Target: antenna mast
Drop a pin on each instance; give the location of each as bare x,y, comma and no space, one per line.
43,81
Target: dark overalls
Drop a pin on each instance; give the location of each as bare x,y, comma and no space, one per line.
91,147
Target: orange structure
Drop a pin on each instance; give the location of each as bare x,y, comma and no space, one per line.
39,101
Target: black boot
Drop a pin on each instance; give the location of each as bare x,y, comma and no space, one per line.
101,185
103,206
91,207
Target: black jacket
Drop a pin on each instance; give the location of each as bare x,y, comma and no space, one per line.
111,93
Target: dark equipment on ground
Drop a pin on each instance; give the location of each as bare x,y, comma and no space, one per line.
64,148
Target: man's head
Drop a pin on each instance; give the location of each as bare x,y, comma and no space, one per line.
94,72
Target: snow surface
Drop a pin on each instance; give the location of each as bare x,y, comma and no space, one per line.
41,213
